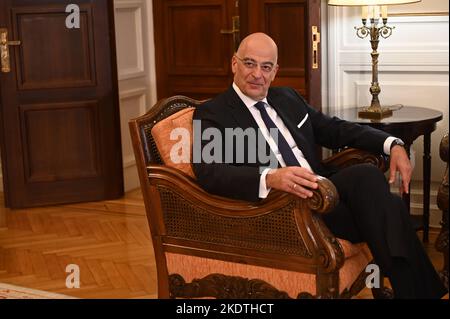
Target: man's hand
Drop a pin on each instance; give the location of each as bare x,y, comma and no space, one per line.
400,162
292,179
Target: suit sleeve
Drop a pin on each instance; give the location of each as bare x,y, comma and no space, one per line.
216,176
333,133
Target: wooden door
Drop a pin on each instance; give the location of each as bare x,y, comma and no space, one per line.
192,55
290,23
60,126
193,52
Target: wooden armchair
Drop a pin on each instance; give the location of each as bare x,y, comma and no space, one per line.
210,246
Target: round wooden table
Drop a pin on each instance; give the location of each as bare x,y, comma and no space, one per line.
407,123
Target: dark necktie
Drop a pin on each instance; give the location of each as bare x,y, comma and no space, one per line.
283,146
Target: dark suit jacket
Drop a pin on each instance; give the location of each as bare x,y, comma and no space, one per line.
240,180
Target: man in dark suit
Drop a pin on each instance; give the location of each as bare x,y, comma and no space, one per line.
290,129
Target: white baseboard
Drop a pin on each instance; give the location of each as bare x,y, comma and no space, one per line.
131,178
416,204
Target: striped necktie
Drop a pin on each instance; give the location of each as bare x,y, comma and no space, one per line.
283,146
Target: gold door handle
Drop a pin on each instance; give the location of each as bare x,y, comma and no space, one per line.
315,47
236,32
4,50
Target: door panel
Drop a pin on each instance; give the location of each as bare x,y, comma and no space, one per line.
194,59
59,105
286,21
35,27
190,48
78,154
279,21
186,39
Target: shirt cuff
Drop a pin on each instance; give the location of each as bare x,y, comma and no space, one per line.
387,145
263,190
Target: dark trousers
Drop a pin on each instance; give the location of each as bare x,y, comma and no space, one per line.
369,212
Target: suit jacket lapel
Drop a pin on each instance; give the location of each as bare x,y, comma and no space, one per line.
244,117
239,111
281,105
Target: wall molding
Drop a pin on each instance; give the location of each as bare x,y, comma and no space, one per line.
137,76
139,94
137,7
395,56
131,93
131,179
426,60
129,161
413,67
420,14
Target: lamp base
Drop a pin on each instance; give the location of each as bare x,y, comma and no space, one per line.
374,113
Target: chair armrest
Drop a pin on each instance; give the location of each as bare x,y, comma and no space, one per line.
352,156
280,230
324,199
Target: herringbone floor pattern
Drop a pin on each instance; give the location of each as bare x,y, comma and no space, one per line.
109,241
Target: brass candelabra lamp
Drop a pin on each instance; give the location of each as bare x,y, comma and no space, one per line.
374,24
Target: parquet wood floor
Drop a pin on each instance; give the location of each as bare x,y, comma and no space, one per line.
109,241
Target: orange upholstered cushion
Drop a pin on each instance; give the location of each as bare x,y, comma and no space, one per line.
350,249
291,282
176,150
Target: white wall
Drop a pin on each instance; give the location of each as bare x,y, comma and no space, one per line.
422,7
413,70
136,67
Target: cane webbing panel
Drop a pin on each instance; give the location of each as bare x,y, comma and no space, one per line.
276,232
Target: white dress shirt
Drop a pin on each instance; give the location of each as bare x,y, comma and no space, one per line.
250,103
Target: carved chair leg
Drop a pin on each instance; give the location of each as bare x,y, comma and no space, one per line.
441,245
442,202
360,283
163,289
382,292
223,287
327,285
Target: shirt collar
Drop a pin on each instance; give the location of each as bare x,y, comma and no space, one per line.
249,102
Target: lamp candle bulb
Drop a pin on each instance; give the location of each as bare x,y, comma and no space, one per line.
376,13
364,12
384,12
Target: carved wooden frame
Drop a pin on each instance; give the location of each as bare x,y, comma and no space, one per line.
321,254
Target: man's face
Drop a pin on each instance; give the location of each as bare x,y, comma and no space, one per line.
254,70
